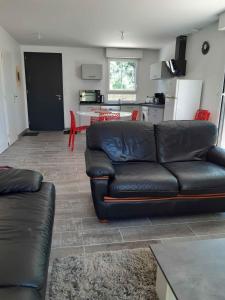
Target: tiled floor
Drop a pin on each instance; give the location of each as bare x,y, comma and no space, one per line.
76,229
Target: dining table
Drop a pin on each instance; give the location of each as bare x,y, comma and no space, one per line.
123,114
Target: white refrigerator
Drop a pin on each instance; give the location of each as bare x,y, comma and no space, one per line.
183,98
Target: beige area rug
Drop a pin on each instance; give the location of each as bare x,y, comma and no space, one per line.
117,275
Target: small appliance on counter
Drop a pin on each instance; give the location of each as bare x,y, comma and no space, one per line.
101,98
148,100
90,96
159,98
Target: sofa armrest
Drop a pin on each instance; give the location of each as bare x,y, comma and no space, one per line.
19,180
98,164
216,155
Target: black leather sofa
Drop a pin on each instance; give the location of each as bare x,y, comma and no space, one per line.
138,169
26,221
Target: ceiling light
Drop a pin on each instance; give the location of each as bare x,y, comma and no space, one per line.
37,35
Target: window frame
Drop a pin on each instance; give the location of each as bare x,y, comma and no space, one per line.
136,75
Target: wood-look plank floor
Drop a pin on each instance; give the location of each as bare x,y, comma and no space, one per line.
76,228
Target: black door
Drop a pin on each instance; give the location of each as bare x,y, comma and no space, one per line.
44,91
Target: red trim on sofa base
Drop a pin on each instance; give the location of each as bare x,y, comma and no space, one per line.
100,178
108,199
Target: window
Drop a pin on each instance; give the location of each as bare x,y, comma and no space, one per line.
122,80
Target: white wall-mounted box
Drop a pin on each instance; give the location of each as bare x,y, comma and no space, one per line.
91,71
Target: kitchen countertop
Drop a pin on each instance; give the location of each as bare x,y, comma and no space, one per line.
126,104
152,105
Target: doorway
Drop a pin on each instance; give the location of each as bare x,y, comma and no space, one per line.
9,94
3,126
221,125
44,85
8,112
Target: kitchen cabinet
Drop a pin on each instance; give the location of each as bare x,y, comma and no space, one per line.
91,71
155,115
169,111
159,71
152,114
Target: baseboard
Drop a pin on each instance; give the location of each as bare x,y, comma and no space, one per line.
21,134
66,131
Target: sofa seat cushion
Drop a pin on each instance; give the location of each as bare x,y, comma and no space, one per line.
142,179
198,177
26,221
19,293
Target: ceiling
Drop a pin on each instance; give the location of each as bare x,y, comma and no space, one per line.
146,23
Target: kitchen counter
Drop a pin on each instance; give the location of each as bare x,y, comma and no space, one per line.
152,105
126,104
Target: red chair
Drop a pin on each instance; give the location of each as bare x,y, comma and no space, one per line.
202,114
73,130
135,115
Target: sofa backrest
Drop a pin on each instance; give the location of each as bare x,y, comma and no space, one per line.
184,140
123,141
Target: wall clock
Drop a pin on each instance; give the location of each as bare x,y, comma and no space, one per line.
205,47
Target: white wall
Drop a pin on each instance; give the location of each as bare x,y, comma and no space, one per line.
72,58
7,43
210,68
146,87
167,52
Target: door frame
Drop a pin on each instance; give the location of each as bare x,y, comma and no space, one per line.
221,122
9,111
5,143
41,51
